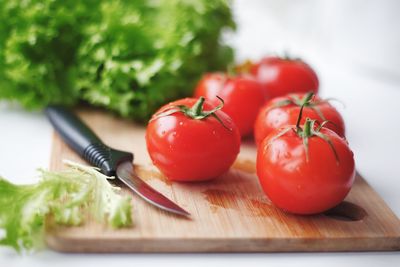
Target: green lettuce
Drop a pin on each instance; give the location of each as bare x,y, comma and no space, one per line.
127,56
67,196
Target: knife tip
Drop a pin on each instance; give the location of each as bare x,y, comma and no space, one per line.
184,213
180,211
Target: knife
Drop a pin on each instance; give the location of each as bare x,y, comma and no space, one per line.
112,162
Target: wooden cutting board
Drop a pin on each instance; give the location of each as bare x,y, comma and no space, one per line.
230,214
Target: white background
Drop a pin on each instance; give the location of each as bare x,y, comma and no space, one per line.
353,45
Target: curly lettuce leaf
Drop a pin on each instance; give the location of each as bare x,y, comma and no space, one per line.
68,196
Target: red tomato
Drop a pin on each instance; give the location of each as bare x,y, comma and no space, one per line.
243,97
282,111
281,76
188,143
304,182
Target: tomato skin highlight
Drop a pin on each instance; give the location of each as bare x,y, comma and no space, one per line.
186,149
243,97
281,76
305,187
272,117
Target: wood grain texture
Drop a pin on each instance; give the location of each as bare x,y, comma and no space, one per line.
230,214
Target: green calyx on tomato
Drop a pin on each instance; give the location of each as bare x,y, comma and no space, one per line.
248,64
287,56
243,68
309,129
195,112
306,101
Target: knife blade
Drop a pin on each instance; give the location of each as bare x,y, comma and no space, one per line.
112,162
127,175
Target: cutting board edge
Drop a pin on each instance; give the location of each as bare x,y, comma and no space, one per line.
240,245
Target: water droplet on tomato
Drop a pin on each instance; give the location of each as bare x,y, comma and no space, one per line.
181,123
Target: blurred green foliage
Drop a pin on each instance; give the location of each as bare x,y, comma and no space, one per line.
127,56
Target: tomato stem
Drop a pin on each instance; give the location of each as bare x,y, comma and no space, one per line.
244,68
307,131
287,56
298,128
197,108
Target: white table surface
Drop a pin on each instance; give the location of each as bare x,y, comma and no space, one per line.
372,116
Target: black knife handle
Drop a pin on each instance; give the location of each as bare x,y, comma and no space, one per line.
84,141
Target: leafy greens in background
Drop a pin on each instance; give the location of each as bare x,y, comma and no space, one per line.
68,196
127,56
